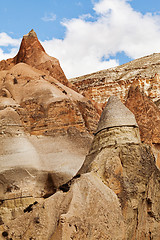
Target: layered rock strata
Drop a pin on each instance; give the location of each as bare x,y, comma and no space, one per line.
45,128
115,197
34,166
99,86
45,132
142,74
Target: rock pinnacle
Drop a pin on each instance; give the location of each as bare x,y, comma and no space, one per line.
116,114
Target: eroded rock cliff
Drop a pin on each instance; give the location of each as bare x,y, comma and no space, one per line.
114,196
45,128
99,86
141,79
50,188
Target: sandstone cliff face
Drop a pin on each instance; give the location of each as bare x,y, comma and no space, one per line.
147,114
118,80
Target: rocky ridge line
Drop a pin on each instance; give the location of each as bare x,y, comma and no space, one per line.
145,71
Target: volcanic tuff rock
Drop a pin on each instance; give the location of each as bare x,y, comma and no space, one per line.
32,53
100,85
116,197
45,128
45,133
113,130
146,113
116,114
143,73
72,215
128,168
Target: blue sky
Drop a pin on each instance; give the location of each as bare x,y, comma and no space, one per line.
85,35
19,16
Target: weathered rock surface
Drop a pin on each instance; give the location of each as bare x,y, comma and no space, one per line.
32,53
34,106
45,127
148,118
34,166
142,73
116,114
47,190
37,95
146,113
100,85
128,168
116,197
72,215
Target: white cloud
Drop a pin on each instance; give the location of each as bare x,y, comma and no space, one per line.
11,54
132,32
117,27
86,16
90,40
49,17
5,42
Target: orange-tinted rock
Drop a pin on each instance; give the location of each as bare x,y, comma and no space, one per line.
45,133
45,105
34,104
32,53
45,128
147,115
99,86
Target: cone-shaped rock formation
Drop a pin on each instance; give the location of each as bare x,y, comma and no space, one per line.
32,53
127,167
116,114
114,128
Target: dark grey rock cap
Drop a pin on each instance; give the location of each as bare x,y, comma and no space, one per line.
116,114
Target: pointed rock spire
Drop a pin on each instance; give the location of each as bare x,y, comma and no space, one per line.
116,114
32,53
30,49
31,34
